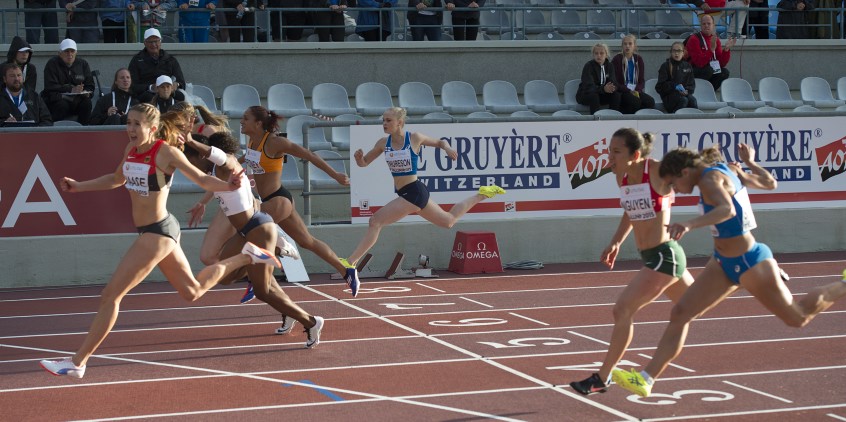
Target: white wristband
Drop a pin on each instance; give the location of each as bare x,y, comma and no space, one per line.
217,156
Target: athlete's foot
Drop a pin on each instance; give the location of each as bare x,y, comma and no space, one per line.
284,247
491,191
351,277
590,385
260,256
632,381
64,366
346,263
821,298
313,333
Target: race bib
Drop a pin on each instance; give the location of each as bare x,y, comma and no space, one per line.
137,176
252,159
715,64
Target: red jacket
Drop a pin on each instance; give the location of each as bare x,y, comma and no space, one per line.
701,54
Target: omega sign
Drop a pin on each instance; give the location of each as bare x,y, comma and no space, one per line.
481,252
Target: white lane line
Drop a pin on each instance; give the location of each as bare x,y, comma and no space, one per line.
476,302
605,343
277,381
430,287
743,387
674,365
748,412
528,319
832,415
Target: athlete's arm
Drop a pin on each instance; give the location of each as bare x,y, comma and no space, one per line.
759,178
714,192
364,160
298,151
437,143
104,182
172,158
609,255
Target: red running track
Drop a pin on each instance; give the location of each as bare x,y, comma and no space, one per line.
493,347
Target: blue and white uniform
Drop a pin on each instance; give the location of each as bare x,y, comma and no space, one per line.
403,162
743,222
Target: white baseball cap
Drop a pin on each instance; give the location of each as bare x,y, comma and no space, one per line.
67,44
24,49
164,79
152,32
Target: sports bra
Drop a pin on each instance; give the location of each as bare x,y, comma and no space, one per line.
141,173
259,162
743,220
402,162
640,201
236,201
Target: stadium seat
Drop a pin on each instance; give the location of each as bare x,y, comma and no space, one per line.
775,92
840,108
318,179
688,110
587,3
207,96
738,93
341,134
532,22
67,123
728,109
460,97
570,89
501,97
607,112
549,36
649,88
372,98
330,99
601,21
437,115
291,174
238,98
494,21
568,21
561,113
648,111
316,137
817,92
706,98
287,100
417,98
805,109
767,109
525,113
656,3
586,35
638,22
671,22
542,97
481,115
841,88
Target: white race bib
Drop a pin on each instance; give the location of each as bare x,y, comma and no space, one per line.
636,200
399,161
137,175
715,64
252,159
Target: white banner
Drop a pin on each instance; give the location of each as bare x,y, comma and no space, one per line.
554,169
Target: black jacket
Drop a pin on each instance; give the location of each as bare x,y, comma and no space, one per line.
794,23
673,73
36,109
464,3
412,14
144,70
120,99
28,69
60,78
591,81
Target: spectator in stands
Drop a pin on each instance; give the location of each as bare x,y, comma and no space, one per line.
17,104
293,23
241,23
166,95
599,85
150,63
794,19
828,23
628,70
465,24
195,19
20,53
112,108
426,23
153,12
759,20
68,85
675,81
114,22
329,24
736,17
83,25
707,55
35,20
375,25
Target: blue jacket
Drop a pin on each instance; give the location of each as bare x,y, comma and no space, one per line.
195,15
114,4
369,20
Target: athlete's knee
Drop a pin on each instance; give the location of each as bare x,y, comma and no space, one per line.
622,311
209,259
681,315
262,292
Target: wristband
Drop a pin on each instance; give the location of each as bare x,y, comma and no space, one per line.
217,156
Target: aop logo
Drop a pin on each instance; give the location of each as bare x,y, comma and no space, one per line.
587,164
831,159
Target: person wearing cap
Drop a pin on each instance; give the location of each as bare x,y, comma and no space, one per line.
68,84
195,19
150,63
17,104
166,94
83,24
35,20
20,53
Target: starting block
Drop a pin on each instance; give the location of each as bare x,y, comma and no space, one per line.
395,271
294,269
475,253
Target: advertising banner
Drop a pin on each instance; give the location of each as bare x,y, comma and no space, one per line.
552,169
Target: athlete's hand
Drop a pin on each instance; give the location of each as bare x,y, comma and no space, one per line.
235,180
197,212
359,158
451,153
677,230
745,153
609,255
68,185
342,178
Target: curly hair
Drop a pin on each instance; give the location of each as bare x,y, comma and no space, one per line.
225,142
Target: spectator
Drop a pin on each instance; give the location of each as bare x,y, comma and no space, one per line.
111,109
373,25
82,25
20,53
794,19
598,85
195,19
828,22
628,70
68,85
241,23
35,20
150,63
675,81
329,24
424,22
735,17
114,22
153,12
166,95
293,23
759,20
707,55
465,24
19,105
